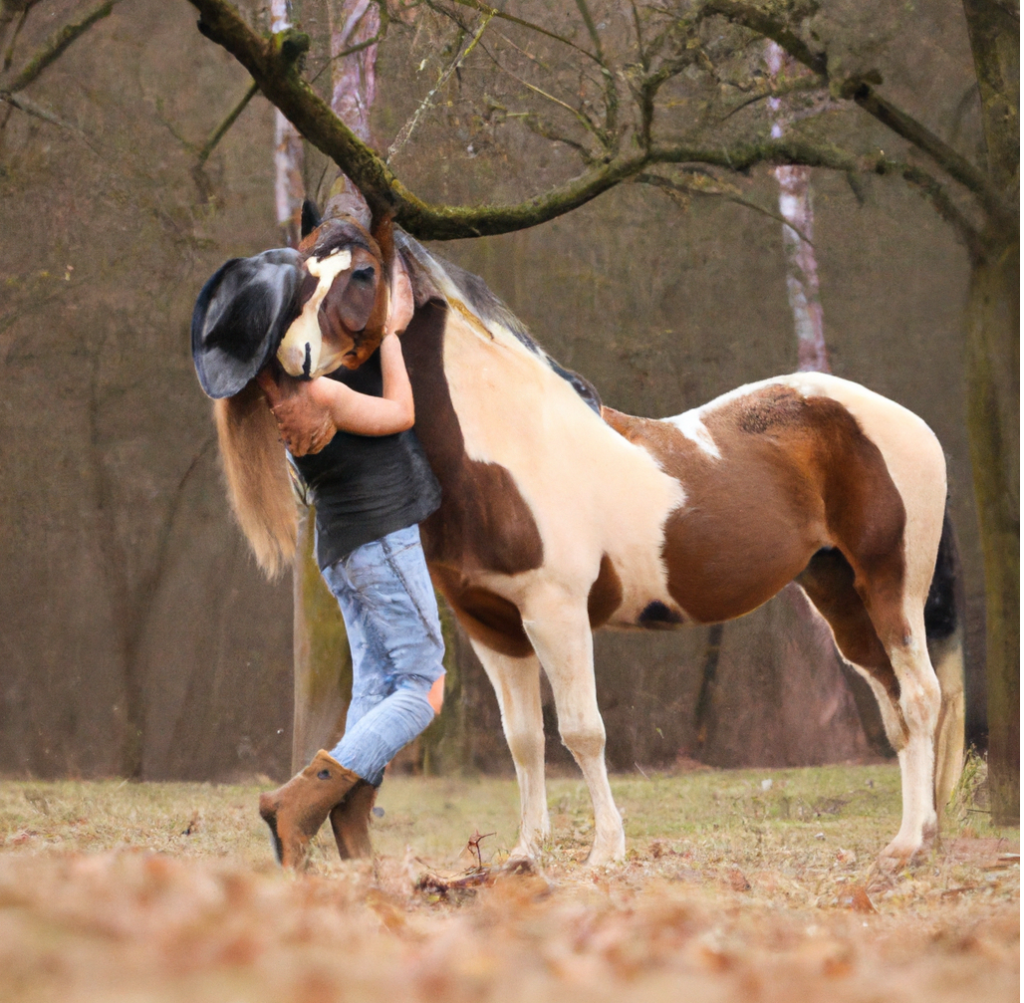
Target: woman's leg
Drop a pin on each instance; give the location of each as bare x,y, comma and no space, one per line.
390,611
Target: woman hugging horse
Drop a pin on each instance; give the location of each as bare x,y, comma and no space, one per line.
559,516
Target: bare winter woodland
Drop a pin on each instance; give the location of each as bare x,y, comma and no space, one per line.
138,641
138,637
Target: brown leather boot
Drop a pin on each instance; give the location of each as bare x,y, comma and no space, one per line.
350,821
296,811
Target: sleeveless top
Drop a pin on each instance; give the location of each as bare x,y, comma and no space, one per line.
363,486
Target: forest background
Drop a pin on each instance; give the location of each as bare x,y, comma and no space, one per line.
126,584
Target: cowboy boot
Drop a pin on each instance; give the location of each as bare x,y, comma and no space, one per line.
350,821
296,811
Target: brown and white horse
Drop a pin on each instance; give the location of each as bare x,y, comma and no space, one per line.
560,516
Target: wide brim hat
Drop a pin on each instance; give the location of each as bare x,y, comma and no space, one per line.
241,316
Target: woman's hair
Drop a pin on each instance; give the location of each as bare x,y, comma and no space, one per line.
259,480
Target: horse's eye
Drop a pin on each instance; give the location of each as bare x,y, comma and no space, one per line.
363,275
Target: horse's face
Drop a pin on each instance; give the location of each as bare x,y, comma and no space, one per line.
343,302
317,308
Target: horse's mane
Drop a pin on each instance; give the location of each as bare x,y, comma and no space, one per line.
470,294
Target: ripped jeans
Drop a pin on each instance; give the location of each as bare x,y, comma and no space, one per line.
390,612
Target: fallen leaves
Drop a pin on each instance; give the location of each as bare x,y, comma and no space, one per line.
733,912
856,898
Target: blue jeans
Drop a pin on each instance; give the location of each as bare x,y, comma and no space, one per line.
390,611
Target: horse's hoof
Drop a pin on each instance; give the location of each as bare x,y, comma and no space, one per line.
897,855
605,858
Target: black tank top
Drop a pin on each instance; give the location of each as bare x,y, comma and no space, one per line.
365,487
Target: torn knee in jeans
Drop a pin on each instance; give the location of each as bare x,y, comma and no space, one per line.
436,695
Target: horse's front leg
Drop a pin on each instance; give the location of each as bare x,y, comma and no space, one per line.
559,629
516,683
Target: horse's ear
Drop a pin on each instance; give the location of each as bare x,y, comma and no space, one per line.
311,217
240,318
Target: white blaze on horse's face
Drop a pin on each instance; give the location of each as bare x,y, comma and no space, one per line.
301,350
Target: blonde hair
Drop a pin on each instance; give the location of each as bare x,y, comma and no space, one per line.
258,477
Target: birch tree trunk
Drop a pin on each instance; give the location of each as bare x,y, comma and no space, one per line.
289,188
796,206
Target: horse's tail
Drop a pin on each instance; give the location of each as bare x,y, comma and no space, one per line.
943,622
259,484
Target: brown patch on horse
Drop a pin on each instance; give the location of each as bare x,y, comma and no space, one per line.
605,595
484,615
795,473
828,582
484,523
775,407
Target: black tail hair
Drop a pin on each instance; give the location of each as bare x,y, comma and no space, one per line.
942,608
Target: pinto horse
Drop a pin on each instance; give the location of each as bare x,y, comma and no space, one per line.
560,516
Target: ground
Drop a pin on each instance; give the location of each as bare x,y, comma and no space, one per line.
738,885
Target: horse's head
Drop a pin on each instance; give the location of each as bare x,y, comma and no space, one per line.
316,308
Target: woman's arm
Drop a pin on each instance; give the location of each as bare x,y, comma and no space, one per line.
351,411
309,413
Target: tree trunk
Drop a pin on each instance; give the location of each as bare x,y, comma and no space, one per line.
993,424
993,388
289,188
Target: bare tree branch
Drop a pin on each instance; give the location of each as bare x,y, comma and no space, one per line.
379,36
220,131
686,186
946,157
798,86
8,11
56,47
860,91
578,114
494,12
611,90
769,26
407,130
272,63
37,111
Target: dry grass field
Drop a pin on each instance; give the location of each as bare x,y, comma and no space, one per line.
738,885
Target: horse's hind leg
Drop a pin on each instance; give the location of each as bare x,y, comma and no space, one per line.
559,630
516,683
900,675
919,703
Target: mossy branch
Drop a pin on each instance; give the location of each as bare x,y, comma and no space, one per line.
57,46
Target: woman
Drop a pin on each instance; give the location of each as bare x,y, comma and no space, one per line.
371,486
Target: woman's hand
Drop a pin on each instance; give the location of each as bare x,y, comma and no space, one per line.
304,421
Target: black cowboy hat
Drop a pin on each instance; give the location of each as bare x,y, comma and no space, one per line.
241,316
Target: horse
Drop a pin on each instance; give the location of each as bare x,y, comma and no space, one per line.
561,516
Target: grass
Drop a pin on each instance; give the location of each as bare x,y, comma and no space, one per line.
737,885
